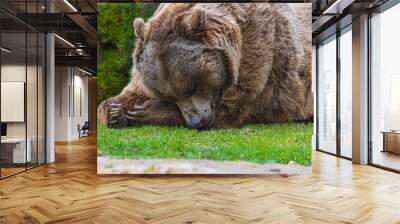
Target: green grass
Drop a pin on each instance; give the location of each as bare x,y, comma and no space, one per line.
271,143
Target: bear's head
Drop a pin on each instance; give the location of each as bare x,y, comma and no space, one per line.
189,57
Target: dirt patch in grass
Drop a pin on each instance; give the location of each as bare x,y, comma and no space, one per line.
107,165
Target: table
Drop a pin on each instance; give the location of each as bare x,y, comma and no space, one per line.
16,147
391,141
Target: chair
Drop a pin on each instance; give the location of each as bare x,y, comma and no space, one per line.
84,130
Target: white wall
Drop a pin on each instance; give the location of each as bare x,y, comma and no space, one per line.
16,73
80,96
71,94
13,100
62,81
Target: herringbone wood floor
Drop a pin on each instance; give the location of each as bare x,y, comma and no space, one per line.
70,191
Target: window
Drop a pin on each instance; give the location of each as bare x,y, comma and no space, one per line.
22,77
346,75
385,89
327,95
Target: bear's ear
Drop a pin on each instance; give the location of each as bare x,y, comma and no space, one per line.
195,20
139,27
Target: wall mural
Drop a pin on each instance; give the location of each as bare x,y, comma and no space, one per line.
204,88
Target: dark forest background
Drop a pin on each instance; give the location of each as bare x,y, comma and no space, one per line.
115,43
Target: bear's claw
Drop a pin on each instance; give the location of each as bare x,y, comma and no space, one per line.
138,115
135,116
116,116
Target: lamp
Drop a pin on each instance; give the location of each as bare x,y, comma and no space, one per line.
5,50
70,5
64,40
84,71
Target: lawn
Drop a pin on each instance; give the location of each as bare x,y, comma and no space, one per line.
270,143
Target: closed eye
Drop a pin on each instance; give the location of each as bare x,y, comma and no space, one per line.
169,34
192,90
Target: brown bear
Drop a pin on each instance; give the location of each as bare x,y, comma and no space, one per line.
218,65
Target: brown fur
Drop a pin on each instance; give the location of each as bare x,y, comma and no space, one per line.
255,66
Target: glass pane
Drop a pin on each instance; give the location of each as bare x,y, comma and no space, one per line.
31,98
327,96
23,88
386,89
13,86
41,99
32,87
346,94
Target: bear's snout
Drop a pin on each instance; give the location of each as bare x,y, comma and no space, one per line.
196,111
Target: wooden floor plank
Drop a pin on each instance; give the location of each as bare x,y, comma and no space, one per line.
70,191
